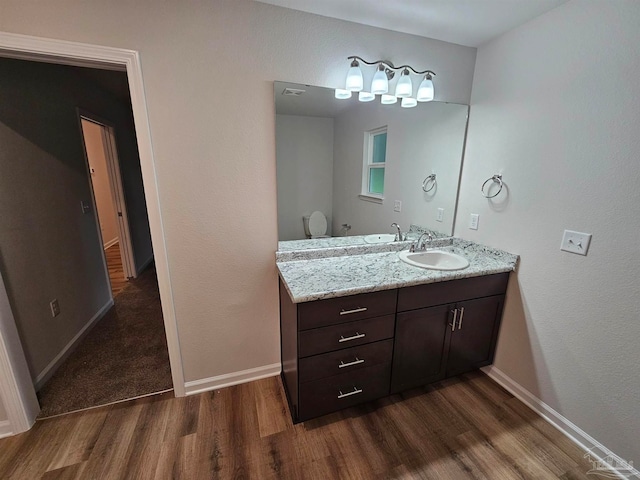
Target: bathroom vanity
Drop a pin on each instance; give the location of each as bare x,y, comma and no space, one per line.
362,325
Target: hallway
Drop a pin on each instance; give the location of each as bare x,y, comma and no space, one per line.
116,271
124,356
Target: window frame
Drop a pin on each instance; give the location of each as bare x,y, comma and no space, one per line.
368,165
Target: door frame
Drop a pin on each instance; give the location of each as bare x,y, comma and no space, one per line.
16,387
115,186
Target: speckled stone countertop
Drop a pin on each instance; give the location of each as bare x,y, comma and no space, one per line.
312,275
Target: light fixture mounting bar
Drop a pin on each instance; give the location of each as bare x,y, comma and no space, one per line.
391,66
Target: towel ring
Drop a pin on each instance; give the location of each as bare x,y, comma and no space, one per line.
496,179
430,179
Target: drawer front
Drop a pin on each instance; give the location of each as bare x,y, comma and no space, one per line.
345,335
345,361
346,309
341,391
452,291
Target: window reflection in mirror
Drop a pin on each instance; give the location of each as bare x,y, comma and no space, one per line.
363,164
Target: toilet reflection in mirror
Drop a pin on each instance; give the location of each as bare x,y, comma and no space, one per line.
363,164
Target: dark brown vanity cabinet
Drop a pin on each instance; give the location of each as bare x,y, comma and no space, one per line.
343,351
443,331
336,353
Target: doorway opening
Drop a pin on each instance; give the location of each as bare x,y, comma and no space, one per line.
106,182
73,181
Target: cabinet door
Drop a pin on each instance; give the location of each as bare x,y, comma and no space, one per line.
419,347
473,341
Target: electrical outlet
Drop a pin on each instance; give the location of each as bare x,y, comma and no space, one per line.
440,215
575,242
55,307
473,221
86,208
397,206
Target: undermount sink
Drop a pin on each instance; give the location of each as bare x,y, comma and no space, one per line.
380,238
434,260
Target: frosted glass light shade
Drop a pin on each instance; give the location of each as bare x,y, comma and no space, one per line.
354,81
342,94
408,102
388,99
425,90
366,96
404,87
380,83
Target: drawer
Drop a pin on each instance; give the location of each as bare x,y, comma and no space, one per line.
452,291
340,391
345,335
346,309
345,361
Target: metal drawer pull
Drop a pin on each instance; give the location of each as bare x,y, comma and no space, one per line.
355,362
461,315
455,318
356,391
355,310
354,337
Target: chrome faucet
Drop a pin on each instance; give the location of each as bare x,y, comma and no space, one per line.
399,234
420,245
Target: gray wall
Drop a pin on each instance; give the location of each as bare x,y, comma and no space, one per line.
421,140
555,106
48,248
305,171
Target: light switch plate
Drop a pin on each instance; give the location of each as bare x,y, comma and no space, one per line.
397,206
440,215
575,242
86,208
473,221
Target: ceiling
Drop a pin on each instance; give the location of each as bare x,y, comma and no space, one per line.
312,102
465,22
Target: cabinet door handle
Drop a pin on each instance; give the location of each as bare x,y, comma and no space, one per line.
460,319
355,310
355,362
353,337
455,317
355,391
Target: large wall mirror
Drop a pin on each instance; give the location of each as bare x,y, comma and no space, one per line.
363,164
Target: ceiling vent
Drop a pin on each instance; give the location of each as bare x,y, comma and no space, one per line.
293,92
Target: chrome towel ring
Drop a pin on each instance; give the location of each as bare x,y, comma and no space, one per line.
496,179
431,179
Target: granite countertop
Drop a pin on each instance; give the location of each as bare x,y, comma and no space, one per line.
315,274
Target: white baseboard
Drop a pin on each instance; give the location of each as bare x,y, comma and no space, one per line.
111,243
50,369
5,429
230,379
586,442
144,265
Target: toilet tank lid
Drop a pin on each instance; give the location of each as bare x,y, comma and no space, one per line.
317,223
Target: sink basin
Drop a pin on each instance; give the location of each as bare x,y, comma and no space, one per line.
434,260
380,238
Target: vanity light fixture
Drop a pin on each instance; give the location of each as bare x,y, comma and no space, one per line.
408,102
385,71
388,99
354,81
366,96
342,94
425,90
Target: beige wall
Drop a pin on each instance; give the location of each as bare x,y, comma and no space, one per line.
3,413
100,181
208,70
555,107
48,248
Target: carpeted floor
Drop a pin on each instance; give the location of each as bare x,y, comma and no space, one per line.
124,356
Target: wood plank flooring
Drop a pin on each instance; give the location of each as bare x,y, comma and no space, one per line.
464,428
116,270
